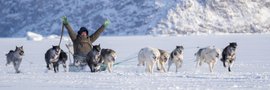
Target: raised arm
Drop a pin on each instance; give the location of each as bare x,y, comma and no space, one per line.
95,35
71,32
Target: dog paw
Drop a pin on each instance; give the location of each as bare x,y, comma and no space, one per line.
18,71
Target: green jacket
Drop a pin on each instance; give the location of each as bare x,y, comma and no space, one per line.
83,45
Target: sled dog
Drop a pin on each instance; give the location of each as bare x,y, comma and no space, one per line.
149,56
55,56
208,55
228,55
164,56
93,59
176,56
108,57
15,57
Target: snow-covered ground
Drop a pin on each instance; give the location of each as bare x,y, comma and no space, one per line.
251,69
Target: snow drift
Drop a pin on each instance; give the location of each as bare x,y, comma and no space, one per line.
34,36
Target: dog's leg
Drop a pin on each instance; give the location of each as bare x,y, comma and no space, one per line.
224,64
169,64
181,62
230,65
214,63
16,66
163,67
65,66
147,68
177,65
51,66
152,66
112,66
210,66
48,67
197,65
93,68
47,63
158,63
55,67
109,67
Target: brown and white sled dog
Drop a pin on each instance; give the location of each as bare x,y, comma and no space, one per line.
15,57
177,56
108,57
164,56
208,55
228,55
55,56
149,56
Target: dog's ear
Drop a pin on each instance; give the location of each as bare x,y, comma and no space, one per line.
21,46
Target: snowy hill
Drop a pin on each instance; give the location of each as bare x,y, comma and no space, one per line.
135,17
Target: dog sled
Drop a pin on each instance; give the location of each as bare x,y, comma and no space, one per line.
79,62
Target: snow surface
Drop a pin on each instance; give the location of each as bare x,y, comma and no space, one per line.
135,17
251,69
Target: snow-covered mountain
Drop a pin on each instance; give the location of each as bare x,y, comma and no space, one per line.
135,17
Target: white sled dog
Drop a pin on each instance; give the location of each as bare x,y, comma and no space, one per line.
208,55
164,56
108,57
148,56
15,57
177,56
228,55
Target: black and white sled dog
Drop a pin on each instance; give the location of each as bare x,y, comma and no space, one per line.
208,55
164,56
176,56
93,58
108,56
15,57
55,56
149,56
228,55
